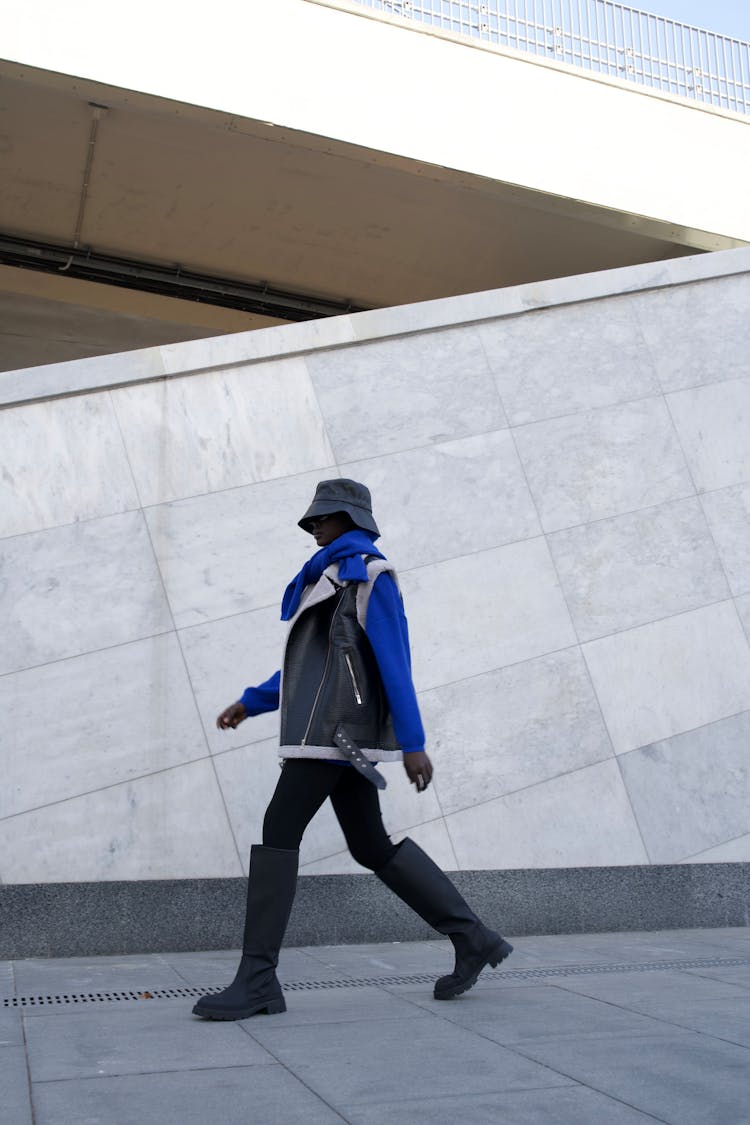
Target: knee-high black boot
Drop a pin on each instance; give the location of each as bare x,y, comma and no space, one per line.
420,883
270,893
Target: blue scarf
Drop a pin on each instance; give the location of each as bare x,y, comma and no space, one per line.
347,550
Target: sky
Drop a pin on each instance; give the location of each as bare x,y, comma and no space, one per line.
729,17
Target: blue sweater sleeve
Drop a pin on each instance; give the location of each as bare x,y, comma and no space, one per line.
388,633
264,697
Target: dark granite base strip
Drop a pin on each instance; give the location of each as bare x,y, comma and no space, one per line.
83,919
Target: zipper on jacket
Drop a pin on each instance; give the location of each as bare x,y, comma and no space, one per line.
355,686
323,677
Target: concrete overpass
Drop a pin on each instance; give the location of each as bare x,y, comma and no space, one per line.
181,178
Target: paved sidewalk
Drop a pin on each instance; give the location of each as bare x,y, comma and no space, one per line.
593,1029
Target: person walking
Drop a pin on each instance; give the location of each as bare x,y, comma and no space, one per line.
347,700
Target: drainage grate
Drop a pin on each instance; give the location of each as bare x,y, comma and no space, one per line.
365,982
99,997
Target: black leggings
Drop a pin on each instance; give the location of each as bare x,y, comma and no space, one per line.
301,790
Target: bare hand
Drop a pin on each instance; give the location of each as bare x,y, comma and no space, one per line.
232,716
418,769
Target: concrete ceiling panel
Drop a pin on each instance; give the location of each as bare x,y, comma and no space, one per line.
176,185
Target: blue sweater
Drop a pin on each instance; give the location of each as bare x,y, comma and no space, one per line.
388,634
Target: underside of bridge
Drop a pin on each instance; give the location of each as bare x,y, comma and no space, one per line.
128,220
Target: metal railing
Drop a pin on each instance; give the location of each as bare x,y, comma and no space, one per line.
601,36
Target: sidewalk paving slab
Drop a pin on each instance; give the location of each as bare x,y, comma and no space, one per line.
123,1039
14,1087
39,976
256,1095
678,1076
558,1105
357,1063
539,1011
585,1029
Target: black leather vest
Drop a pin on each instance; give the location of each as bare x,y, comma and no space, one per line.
331,676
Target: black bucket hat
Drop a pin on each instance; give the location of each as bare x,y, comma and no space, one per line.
342,495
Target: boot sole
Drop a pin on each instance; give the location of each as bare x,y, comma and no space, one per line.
269,1007
498,954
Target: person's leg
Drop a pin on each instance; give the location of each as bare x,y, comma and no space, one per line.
302,788
420,883
300,791
357,806
411,874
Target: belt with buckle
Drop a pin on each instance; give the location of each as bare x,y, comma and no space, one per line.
353,754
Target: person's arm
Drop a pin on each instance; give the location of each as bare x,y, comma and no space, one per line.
254,701
388,633
265,697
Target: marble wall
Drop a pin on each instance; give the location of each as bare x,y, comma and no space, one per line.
566,493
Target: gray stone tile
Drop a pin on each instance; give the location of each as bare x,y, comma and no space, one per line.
207,547
546,705
691,792
340,862
532,951
697,333
14,1087
407,812
62,461
51,379
572,1105
247,778
658,993
234,1095
737,975
671,676
713,425
426,1057
399,394
79,588
735,935
11,1028
603,463
203,968
478,633
735,850
728,515
734,938
223,658
651,946
108,709
214,971
743,612
135,830
416,993
297,965
538,1012
638,567
259,343
679,1077
727,1021
44,977
593,824
383,959
561,361
472,492
140,1038
188,436
339,1006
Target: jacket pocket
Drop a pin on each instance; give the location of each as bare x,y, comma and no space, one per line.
353,677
